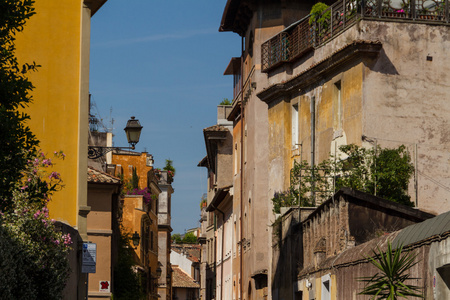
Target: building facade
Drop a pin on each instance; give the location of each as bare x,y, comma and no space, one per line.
217,211
57,38
185,261
164,234
339,276
358,86
254,22
140,209
103,198
361,76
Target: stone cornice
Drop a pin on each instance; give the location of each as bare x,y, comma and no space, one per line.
320,70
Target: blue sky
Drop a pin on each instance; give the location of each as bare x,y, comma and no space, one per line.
163,62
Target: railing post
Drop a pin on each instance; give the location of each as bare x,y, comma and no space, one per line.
379,8
412,9
362,7
314,32
331,20
344,13
446,11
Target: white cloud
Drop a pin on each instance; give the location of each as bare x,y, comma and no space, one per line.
156,37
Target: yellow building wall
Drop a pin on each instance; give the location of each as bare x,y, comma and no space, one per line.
326,108
280,133
318,290
127,162
57,38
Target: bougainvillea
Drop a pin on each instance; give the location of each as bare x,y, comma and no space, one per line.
144,192
39,267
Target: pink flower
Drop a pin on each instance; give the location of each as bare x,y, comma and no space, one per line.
54,175
67,239
24,187
47,162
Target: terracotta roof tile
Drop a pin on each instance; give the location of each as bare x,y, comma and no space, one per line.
96,176
182,279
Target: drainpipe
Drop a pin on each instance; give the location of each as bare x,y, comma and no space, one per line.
241,260
215,256
313,144
223,242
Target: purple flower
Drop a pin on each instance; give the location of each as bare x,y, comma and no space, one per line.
47,162
67,239
54,175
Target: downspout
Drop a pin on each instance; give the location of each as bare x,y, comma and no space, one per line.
241,260
215,256
313,145
223,242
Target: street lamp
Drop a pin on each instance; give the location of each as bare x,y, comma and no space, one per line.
136,239
133,132
158,272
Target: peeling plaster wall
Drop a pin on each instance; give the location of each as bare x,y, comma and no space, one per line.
406,102
398,98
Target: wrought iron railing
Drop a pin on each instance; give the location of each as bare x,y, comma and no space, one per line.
295,41
276,50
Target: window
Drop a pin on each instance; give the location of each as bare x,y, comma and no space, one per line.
151,241
235,159
326,287
299,295
294,122
145,235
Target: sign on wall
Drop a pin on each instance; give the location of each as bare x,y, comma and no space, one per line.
88,258
104,286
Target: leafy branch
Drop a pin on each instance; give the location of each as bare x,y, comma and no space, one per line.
382,172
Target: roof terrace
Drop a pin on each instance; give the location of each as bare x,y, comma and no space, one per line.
303,36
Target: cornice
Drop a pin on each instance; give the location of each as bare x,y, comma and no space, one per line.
318,71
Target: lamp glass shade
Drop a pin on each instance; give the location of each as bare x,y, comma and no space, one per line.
136,239
133,131
158,272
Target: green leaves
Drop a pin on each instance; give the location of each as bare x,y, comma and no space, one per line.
382,172
15,91
316,13
394,270
127,282
41,259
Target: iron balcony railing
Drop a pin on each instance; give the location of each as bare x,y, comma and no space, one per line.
294,41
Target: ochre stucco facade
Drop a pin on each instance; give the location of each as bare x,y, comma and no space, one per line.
57,38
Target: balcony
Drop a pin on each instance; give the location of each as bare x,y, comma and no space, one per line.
302,36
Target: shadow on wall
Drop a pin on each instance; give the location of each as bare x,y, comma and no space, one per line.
287,247
384,65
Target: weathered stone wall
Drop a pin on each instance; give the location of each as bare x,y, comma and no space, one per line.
397,98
